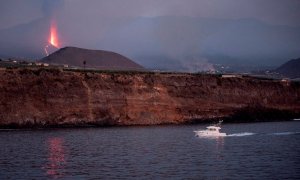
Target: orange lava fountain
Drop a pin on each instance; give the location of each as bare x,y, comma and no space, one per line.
53,39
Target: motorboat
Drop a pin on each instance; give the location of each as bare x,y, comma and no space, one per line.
211,131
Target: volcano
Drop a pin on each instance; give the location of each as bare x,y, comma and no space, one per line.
95,59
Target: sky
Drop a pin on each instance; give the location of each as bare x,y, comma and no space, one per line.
283,12
174,30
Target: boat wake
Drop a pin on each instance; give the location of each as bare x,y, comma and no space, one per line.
284,133
240,134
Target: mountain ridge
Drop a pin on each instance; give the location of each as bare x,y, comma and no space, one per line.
217,40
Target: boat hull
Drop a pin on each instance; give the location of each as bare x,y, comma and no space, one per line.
209,134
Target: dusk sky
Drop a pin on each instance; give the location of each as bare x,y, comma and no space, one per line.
282,12
194,32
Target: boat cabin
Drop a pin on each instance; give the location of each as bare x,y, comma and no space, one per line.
213,128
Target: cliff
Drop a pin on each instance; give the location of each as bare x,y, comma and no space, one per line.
52,97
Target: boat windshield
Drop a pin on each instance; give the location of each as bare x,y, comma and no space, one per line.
213,128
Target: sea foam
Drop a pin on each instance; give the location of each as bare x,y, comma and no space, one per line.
240,134
284,133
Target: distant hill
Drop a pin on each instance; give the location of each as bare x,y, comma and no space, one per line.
290,69
167,42
151,40
97,59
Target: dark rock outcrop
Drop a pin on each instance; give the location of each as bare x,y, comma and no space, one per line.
52,97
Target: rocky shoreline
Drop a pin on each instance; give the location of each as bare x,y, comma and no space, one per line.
60,98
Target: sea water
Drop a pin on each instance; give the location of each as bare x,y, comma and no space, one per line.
249,151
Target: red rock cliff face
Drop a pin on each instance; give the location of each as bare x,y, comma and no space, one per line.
55,97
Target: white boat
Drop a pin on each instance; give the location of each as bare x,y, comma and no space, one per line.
211,131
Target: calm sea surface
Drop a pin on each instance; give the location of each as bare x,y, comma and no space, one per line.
251,151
